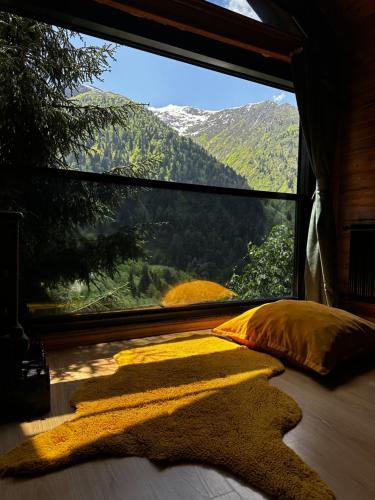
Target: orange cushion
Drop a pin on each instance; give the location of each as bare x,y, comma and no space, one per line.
310,334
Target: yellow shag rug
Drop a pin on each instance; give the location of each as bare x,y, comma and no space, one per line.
197,399
193,292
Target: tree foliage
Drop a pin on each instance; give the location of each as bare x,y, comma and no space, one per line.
65,234
268,271
40,67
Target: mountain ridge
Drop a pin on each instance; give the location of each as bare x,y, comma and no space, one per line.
171,114
258,140
146,136
251,146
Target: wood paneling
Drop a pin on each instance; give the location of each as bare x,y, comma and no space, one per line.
355,173
347,15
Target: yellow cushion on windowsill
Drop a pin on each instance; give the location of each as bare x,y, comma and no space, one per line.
312,335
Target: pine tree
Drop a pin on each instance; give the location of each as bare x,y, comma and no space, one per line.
40,68
65,235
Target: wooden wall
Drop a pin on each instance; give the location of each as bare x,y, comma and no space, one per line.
354,178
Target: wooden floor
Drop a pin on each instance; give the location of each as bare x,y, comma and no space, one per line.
336,437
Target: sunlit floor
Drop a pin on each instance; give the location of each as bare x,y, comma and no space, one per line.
336,437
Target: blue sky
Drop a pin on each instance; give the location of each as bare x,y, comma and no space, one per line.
159,81
240,6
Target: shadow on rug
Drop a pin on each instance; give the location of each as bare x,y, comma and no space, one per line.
198,399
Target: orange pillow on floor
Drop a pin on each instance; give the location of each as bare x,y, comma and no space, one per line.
310,334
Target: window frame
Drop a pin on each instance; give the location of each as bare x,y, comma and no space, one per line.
107,326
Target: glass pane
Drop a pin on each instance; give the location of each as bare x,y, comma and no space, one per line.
197,126
92,247
81,103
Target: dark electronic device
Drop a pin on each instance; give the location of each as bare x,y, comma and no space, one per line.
24,374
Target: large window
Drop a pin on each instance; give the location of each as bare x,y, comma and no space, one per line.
193,200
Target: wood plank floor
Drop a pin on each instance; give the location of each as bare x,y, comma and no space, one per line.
336,437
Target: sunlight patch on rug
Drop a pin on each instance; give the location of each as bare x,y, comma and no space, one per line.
196,399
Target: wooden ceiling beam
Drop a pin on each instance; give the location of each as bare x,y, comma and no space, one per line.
193,31
212,22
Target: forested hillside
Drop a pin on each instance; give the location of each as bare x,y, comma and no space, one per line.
259,141
175,158
254,146
203,234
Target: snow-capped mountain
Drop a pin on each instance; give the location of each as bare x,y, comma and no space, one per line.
258,140
185,119
193,121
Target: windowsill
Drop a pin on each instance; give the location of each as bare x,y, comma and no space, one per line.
83,329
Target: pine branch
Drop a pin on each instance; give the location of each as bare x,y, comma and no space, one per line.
96,301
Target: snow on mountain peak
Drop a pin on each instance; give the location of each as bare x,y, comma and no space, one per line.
174,108
187,120
170,108
184,119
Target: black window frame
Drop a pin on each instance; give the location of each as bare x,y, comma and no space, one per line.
217,57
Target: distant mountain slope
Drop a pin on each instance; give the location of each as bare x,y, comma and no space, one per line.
259,141
82,89
181,159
